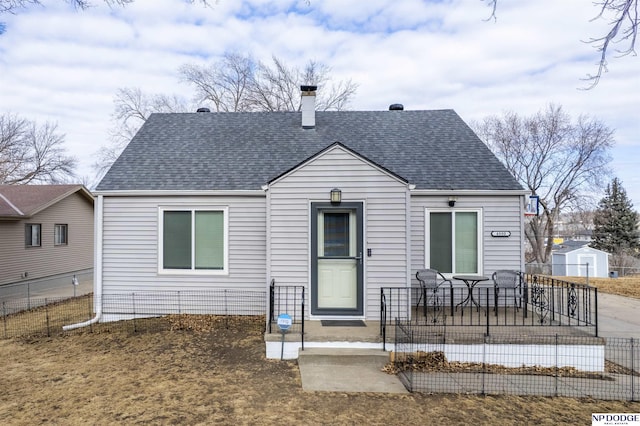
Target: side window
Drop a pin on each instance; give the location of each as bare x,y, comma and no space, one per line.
193,240
453,241
60,235
32,235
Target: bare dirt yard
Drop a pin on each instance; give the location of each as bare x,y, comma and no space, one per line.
219,375
216,373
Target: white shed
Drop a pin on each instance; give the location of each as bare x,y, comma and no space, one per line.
576,261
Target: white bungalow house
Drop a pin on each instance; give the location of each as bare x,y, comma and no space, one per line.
201,201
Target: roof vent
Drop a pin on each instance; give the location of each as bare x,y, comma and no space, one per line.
203,110
396,107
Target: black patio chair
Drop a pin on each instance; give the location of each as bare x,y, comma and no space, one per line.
507,280
430,282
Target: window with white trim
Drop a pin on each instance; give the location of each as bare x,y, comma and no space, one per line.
32,235
193,240
60,234
453,241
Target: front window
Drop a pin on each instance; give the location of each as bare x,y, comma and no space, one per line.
453,241
32,235
193,240
60,235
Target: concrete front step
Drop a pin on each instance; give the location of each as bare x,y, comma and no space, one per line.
346,370
343,356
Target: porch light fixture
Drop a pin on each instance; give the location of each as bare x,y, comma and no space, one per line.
452,201
336,196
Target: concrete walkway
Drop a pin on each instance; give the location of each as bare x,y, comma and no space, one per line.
618,317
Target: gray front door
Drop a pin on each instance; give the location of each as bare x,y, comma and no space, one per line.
336,257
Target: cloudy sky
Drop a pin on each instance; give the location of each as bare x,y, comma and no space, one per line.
63,65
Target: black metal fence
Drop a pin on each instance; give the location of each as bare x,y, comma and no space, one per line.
539,302
430,360
289,300
135,311
43,317
223,302
138,311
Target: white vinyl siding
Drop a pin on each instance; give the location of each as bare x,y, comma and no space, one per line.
499,213
131,247
385,221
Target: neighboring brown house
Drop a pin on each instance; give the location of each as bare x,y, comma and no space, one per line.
45,230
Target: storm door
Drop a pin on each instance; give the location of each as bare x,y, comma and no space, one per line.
337,262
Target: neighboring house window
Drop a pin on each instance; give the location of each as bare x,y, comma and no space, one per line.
32,234
193,240
60,235
453,241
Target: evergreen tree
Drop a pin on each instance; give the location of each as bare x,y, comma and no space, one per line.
616,223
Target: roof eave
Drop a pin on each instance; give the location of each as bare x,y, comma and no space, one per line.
84,192
174,193
470,192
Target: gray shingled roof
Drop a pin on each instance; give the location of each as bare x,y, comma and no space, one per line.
20,201
243,151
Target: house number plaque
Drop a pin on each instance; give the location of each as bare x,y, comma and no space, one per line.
501,234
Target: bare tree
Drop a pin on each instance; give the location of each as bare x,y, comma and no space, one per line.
132,107
225,84
32,154
239,83
623,28
234,83
555,158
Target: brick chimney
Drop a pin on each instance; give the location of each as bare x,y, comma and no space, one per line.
308,106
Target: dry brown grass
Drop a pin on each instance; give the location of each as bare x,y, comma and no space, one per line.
623,286
191,373
209,375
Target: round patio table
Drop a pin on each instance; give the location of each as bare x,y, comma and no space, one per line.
470,281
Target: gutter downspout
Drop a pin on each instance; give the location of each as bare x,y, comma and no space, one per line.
97,269
407,217
267,191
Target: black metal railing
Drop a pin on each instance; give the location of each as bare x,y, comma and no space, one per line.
538,301
563,302
287,299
